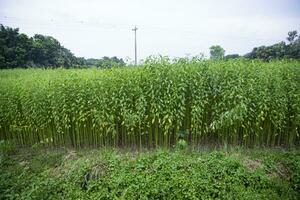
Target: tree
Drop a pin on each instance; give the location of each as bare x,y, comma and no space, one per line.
19,50
80,61
269,52
293,50
47,51
14,48
112,62
292,35
279,50
105,62
216,52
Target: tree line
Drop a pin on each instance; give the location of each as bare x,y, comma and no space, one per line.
19,50
281,50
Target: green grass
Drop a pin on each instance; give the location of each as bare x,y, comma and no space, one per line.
38,173
238,102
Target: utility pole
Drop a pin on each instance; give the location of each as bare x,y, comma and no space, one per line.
135,50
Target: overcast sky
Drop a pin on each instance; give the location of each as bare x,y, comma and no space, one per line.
97,28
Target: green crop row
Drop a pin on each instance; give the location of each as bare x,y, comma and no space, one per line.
236,102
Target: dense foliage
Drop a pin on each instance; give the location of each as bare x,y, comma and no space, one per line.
236,102
60,174
19,50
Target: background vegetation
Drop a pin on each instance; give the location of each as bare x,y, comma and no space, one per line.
19,50
280,50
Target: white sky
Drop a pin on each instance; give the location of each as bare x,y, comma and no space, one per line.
97,28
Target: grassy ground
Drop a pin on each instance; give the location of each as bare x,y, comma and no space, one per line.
38,173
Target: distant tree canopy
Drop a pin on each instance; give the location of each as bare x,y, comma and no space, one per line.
291,50
281,50
105,62
232,56
19,50
47,51
216,52
15,48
